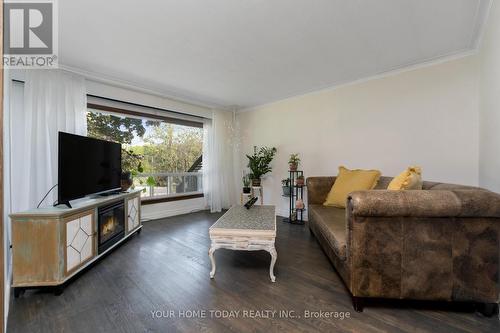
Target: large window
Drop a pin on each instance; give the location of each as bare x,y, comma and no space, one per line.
163,156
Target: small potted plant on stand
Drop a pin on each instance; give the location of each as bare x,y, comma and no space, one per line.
286,187
299,204
259,163
246,184
299,181
293,162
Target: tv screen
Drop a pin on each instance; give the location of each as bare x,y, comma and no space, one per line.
87,166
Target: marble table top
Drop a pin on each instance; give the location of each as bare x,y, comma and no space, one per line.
255,218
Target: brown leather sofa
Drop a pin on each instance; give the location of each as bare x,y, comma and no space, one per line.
439,243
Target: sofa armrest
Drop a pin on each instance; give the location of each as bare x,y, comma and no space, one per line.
318,188
425,203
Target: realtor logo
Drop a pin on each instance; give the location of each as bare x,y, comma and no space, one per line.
30,34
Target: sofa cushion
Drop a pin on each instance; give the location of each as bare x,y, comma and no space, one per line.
331,222
410,179
348,181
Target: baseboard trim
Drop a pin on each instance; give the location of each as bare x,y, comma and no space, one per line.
169,213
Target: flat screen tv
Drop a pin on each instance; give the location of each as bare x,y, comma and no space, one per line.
87,166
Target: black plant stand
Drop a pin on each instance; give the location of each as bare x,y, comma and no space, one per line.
296,192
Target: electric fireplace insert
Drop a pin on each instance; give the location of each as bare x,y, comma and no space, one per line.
111,225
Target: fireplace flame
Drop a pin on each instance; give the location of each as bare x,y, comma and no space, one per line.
109,226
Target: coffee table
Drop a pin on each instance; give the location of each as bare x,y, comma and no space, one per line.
245,229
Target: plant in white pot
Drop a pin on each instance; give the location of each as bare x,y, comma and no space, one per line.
259,163
285,185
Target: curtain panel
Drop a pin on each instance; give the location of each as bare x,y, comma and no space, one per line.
219,171
53,101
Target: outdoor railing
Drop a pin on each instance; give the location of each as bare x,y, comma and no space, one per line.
168,183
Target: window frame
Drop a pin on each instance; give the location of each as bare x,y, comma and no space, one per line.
144,115
176,121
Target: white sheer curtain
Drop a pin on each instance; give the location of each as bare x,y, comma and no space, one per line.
53,101
218,161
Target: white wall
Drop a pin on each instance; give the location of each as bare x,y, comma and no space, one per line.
172,208
133,96
427,116
489,111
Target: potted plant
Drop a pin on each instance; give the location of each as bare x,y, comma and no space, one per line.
151,183
126,180
286,187
299,181
299,204
259,163
246,184
293,162
127,177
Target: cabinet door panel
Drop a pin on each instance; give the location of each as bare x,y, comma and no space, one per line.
86,224
86,252
71,230
72,258
133,214
80,239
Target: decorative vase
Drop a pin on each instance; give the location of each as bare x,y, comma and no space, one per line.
256,182
299,182
246,190
126,181
293,166
286,191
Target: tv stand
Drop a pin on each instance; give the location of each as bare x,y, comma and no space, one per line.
107,194
50,245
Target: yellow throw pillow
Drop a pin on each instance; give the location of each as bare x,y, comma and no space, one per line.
348,181
410,179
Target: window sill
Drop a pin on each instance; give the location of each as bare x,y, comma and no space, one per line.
160,199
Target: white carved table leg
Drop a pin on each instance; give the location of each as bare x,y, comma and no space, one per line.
274,256
212,259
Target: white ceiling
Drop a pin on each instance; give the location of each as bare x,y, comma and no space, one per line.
251,52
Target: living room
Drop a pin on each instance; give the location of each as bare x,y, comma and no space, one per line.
250,166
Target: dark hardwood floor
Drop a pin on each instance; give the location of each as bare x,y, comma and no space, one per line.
166,268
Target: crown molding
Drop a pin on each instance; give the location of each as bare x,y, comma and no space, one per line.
120,83
481,18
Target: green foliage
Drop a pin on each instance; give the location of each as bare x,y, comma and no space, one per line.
285,182
150,181
259,162
114,128
167,147
294,159
171,148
